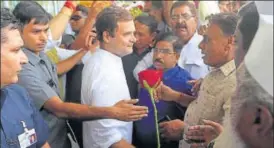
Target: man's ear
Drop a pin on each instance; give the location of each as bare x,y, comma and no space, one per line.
153,36
263,121
106,36
230,43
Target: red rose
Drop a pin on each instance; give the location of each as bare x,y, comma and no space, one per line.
151,76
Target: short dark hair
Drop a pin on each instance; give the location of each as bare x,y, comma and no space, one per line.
7,21
249,23
172,38
25,11
83,9
190,5
226,21
149,21
108,18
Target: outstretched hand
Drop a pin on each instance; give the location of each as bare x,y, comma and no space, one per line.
207,132
196,84
125,110
163,92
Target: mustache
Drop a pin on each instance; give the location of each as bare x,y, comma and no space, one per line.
159,60
179,25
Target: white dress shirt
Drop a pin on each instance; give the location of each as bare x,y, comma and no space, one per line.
104,84
190,59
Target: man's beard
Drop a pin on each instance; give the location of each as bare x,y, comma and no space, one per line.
229,138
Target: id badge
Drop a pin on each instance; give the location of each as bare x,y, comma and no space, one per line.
28,138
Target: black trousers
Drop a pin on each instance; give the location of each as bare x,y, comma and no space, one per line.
73,94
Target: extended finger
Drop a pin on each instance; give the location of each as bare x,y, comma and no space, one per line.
162,124
87,39
137,117
215,125
191,82
159,91
162,130
139,108
195,127
142,113
131,101
194,132
195,137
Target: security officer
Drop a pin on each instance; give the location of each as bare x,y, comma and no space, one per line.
21,124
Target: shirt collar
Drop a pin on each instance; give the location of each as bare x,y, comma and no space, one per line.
228,68
32,57
146,50
196,38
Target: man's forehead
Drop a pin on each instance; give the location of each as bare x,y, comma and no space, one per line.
31,25
181,10
164,44
14,39
125,26
214,30
141,27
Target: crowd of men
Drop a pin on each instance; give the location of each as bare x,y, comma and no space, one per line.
216,90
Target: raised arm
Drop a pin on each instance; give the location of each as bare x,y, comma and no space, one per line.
90,21
58,23
166,11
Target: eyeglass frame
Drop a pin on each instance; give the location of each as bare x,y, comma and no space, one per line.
184,17
163,51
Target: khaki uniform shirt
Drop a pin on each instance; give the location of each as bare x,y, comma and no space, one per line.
213,100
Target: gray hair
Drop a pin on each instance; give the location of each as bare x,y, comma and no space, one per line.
250,91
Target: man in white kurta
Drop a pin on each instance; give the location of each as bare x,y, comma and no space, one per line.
103,79
104,84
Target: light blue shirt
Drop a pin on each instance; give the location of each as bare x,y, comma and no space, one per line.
191,58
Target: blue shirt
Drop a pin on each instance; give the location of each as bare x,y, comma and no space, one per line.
16,106
145,132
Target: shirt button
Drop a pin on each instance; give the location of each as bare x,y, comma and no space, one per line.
42,62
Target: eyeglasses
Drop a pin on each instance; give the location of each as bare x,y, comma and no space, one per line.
163,51
184,17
